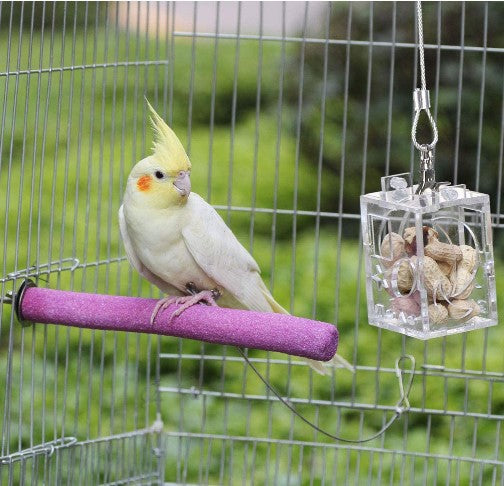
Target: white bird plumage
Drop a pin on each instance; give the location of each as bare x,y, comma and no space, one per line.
173,237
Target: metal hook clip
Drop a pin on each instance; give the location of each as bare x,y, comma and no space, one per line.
8,299
428,176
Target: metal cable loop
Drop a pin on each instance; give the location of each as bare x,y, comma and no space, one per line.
426,146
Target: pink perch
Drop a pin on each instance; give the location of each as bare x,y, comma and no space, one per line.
271,332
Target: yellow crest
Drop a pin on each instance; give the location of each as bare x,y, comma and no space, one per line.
168,150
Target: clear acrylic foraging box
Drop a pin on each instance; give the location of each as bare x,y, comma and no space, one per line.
429,259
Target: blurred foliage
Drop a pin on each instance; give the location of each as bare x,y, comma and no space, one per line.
373,66
33,15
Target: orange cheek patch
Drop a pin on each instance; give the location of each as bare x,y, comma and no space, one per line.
144,183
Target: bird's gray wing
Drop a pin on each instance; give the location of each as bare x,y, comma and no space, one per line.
221,256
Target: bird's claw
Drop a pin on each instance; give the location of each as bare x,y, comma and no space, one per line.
207,296
162,304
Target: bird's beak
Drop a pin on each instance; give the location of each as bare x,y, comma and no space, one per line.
183,183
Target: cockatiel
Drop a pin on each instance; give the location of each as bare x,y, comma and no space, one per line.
178,242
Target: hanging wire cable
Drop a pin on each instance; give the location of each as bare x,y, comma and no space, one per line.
401,406
421,102
421,45
421,97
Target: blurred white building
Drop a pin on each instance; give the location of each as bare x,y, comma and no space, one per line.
223,17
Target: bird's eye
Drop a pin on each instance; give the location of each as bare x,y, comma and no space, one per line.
159,174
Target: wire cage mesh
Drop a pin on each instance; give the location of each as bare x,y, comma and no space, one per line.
286,122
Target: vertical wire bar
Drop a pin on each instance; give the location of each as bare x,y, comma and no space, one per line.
297,157
212,102
166,59
459,96
202,441
231,149
148,348
456,162
233,115
427,448
290,448
279,112
359,452
246,445
436,104
450,449
313,450
257,130
39,219
52,224
136,87
210,152
19,206
482,100
501,159
86,452
99,185
391,90
208,461
90,175
111,184
363,181
253,464
30,216
300,465
342,166
496,449
473,449
179,341
122,156
191,79
159,439
255,157
64,208
341,183
382,443
55,464
2,128
6,425
74,231
172,62
320,162
277,463
296,171
231,461
392,468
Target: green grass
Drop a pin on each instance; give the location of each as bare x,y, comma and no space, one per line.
76,161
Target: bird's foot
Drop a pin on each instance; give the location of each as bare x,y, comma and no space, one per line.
206,296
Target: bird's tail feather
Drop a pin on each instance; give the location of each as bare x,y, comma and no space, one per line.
318,366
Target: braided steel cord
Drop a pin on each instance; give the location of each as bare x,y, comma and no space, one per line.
425,103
